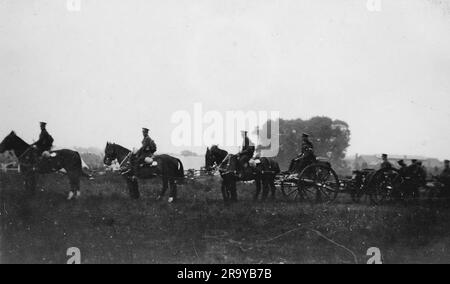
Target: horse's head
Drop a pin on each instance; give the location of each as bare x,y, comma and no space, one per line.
110,154
8,142
209,161
214,156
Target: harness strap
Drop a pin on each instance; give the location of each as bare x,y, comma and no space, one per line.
126,158
26,151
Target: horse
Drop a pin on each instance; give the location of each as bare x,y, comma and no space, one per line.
169,168
263,173
31,165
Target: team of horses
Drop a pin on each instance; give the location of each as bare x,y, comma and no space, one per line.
170,169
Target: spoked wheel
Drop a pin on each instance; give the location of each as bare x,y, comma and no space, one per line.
290,190
384,186
318,184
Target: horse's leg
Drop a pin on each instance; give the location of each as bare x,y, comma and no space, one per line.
30,182
165,185
78,191
272,187
74,180
133,187
173,190
225,193
265,193
233,190
258,188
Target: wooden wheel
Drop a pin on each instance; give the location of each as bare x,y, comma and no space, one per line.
318,183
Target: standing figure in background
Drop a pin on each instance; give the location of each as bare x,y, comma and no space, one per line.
445,176
385,164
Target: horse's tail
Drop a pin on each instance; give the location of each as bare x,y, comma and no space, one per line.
80,165
180,171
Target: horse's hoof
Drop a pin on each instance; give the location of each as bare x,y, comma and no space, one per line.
171,199
78,194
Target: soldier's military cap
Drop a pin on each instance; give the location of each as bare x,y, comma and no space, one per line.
145,129
43,123
305,135
414,161
401,162
384,155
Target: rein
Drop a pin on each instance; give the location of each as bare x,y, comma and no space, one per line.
26,151
124,159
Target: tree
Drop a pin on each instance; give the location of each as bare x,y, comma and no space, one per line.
330,138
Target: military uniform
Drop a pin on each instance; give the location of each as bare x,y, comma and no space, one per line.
385,164
307,146
45,141
305,157
147,149
417,172
148,146
403,168
446,167
446,172
247,151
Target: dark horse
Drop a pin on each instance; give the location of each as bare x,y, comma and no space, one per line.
31,164
169,168
263,173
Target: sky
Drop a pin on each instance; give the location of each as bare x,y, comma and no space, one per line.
101,73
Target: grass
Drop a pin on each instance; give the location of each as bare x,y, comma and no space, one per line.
109,227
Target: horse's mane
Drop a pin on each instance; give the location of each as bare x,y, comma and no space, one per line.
217,149
119,146
20,140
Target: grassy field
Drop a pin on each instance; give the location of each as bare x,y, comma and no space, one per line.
108,227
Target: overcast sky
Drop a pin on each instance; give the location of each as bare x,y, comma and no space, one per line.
103,72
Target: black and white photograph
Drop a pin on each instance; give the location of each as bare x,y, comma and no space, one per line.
224,137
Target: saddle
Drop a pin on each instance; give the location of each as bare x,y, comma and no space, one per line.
231,165
254,162
149,162
48,154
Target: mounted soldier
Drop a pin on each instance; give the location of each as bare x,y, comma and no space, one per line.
147,150
445,175
403,167
446,171
45,141
385,164
247,150
305,157
417,172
